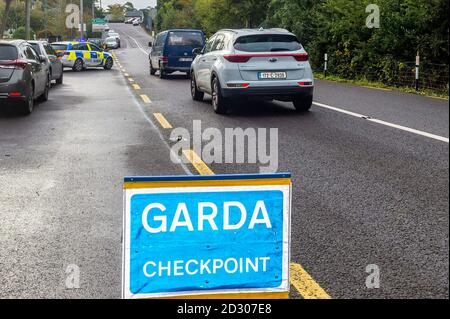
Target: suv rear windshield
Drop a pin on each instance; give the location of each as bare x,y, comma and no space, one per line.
267,43
194,39
8,52
59,47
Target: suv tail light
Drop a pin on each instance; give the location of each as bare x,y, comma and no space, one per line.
14,63
301,57
244,58
238,58
164,59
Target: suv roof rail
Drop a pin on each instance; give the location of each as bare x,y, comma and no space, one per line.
230,30
279,29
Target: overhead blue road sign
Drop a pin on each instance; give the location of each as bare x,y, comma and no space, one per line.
195,235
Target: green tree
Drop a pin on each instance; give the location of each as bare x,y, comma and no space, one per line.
117,11
128,6
5,17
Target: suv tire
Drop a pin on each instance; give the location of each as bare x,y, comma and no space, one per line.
220,104
195,93
303,104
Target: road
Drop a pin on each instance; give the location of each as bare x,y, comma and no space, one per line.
370,168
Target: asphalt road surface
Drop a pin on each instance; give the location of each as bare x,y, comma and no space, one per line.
370,168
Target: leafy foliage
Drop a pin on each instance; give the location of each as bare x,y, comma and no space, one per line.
335,27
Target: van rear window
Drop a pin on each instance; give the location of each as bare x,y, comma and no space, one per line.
194,39
8,52
267,43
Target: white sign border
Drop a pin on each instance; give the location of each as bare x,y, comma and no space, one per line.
129,193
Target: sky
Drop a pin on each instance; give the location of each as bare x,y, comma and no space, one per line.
138,4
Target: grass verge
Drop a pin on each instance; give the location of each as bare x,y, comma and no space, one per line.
379,85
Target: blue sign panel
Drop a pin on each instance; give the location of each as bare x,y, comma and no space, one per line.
199,239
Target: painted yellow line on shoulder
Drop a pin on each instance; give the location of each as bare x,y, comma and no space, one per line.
162,120
305,284
300,279
131,79
146,99
136,87
375,88
126,74
399,127
197,162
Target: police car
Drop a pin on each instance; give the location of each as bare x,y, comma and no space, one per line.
81,55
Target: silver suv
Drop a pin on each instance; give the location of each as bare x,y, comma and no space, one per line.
265,63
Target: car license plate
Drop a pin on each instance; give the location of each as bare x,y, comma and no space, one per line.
186,59
272,75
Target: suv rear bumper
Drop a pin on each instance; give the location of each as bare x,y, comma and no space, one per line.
271,92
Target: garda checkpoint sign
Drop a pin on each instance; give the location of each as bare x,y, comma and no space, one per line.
216,235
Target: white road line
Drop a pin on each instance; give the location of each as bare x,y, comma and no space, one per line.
137,43
399,127
368,118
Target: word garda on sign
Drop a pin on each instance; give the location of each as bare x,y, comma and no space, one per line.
207,236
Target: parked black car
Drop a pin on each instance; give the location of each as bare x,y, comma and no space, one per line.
43,48
24,75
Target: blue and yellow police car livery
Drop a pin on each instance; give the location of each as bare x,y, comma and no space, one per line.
82,55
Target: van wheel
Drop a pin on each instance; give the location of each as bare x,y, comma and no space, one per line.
220,104
152,70
303,104
162,73
196,94
78,66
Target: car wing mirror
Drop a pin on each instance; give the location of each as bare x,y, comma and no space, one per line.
42,58
197,51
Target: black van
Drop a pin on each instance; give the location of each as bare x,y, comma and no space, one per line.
172,51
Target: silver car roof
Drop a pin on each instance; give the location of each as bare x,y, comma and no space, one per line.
243,32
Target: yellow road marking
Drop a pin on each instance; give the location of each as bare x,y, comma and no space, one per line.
146,99
375,88
162,120
438,97
300,279
305,284
131,79
126,74
197,162
136,86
